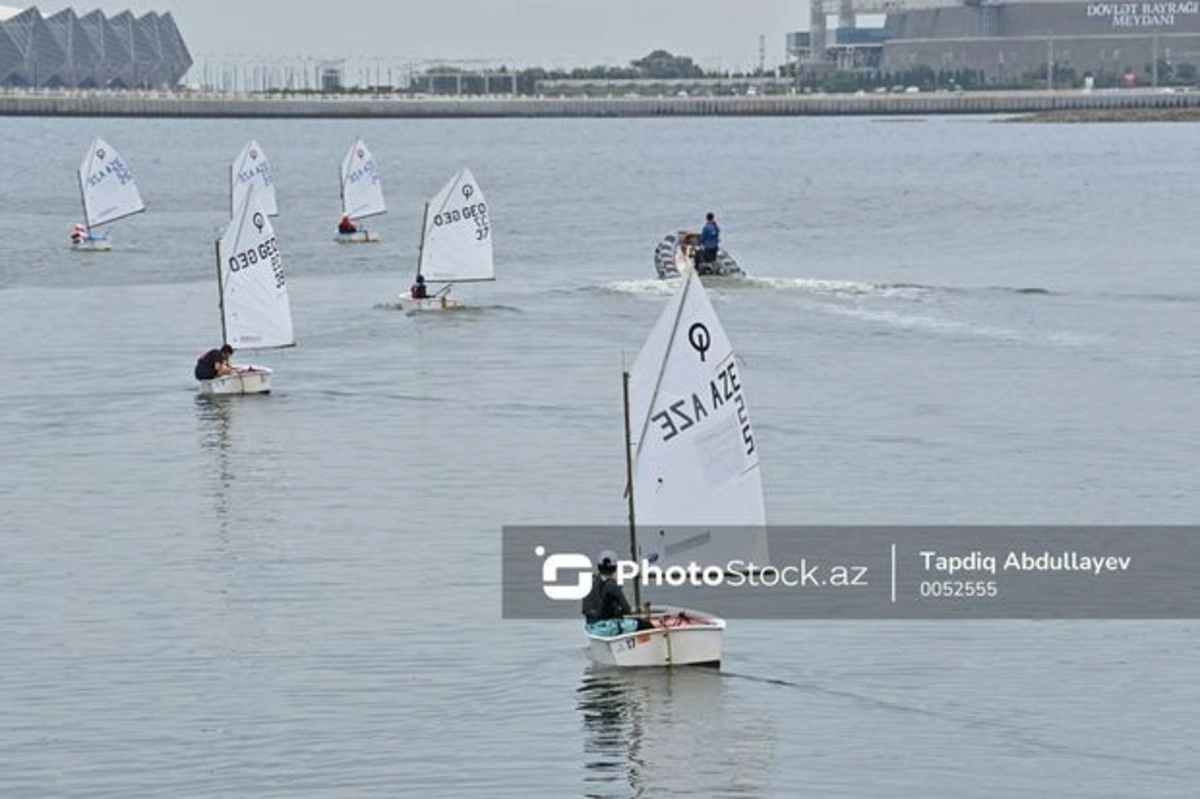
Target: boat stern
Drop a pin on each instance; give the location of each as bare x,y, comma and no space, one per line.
92,245
678,637
436,303
673,258
358,237
248,379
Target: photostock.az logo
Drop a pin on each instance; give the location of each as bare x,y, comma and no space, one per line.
565,561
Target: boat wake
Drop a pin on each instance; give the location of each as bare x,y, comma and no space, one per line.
456,309
1184,298
965,718
854,288
876,288
649,287
956,327
817,286
928,323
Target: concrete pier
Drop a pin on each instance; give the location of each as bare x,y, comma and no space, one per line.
184,104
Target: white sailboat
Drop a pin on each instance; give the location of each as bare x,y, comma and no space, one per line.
362,194
108,192
456,242
687,480
255,311
252,168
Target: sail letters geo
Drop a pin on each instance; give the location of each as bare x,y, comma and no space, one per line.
476,212
266,251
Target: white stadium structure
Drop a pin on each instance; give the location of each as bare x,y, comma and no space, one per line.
65,50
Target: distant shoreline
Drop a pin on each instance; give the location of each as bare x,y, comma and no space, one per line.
1111,115
1043,106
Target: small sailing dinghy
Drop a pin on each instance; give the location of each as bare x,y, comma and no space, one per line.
109,193
255,312
252,168
696,489
362,195
456,243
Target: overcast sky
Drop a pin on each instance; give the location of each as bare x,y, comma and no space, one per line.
550,32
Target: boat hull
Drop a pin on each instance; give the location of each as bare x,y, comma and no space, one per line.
249,379
98,244
696,642
359,237
442,303
673,258
102,245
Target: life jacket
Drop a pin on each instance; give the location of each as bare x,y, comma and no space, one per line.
593,603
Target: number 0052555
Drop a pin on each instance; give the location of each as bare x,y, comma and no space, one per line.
958,588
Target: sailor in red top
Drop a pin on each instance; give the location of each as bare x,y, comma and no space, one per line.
418,291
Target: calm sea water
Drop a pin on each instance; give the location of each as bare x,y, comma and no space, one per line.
950,321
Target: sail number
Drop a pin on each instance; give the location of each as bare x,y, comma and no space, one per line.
116,168
476,212
262,168
687,412
366,171
268,251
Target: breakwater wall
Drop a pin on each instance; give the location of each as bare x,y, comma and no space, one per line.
130,104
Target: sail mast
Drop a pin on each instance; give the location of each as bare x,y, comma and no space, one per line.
633,547
342,180
221,293
87,220
421,247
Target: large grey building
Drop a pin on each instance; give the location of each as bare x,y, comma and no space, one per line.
1006,39
92,51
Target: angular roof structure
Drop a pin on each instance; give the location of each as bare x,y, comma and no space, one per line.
92,51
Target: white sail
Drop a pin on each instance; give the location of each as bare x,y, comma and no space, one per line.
457,241
109,190
362,189
254,298
252,167
695,458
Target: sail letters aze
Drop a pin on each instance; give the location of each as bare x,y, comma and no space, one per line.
723,393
